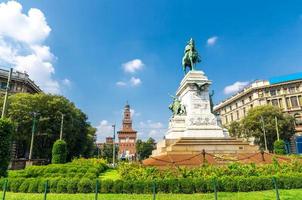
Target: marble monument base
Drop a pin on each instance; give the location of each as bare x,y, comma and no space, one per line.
195,145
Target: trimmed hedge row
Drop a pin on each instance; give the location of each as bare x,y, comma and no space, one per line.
187,186
60,170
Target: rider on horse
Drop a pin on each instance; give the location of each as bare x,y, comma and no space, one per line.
191,56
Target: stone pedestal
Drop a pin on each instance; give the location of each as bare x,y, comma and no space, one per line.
198,121
198,129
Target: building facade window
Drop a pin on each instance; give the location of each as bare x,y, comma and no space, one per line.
260,94
237,114
244,112
275,102
300,100
281,103
292,90
294,102
288,103
273,93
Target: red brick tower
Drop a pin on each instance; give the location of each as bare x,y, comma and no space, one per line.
127,137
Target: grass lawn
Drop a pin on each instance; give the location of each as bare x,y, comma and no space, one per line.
264,195
110,174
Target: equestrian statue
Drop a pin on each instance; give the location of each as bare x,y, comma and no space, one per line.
191,56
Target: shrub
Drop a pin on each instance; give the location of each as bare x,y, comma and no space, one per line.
229,184
106,186
186,186
6,131
24,185
15,183
127,187
200,185
85,185
279,147
59,152
117,186
138,187
33,186
173,186
41,185
62,186
53,184
72,185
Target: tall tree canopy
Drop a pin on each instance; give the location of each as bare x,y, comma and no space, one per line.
144,149
252,126
77,131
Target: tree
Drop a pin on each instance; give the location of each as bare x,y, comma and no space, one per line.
59,152
235,129
77,131
6,131
252,123
107,152
144,149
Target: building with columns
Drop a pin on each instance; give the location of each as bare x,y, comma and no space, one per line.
20,83
284,92
127,137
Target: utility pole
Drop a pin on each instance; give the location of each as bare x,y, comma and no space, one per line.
264,134
277,129
62,123
6,92
113,156
32,135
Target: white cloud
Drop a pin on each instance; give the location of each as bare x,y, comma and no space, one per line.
133,66
66,82
147,129
121,83
135,81
134,113
104,129
21,44
212,41
235,87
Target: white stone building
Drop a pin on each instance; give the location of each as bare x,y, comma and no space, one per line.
284,92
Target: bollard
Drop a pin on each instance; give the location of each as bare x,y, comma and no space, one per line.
4,189
96,189
45,189
154,191
215,189
276,188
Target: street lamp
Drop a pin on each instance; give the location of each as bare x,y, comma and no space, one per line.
62,124
6,93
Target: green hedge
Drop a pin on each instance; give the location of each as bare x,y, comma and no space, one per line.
59,152
185,185
279,147
91,168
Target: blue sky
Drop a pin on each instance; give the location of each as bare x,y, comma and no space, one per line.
84,49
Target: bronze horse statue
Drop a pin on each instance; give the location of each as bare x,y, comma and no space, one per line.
191,57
